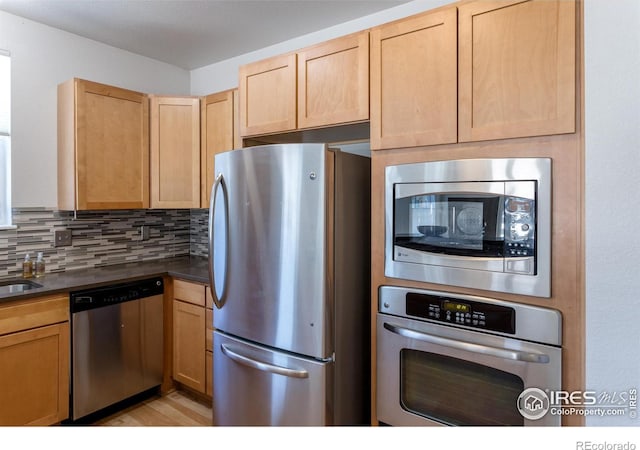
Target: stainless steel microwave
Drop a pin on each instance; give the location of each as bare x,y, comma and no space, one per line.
477,223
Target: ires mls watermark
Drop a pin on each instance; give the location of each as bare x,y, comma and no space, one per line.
535,403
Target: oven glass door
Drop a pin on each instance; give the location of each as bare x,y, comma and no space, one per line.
430,374
458,392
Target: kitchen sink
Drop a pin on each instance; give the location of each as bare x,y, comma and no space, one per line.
17,286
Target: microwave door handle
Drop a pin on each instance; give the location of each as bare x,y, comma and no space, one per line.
261,365
219,182
514,355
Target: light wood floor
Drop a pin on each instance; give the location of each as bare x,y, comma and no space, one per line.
178,408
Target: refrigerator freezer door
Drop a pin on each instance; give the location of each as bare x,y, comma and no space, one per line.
255,386
270,251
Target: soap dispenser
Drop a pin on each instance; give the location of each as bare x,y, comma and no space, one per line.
39,265
27,267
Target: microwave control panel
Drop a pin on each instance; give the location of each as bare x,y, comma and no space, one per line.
519,227
461,312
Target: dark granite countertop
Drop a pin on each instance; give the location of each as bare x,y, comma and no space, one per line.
193,268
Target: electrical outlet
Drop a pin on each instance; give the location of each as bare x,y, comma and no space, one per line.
61,238
144,233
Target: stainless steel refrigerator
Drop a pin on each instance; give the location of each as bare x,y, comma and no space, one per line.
289,252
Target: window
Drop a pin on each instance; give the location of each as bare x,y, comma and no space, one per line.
5,139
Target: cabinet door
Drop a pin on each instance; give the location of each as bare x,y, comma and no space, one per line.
175,152
34,375
218,132
414,81
112,147
333,82
189,345
517,69
268,96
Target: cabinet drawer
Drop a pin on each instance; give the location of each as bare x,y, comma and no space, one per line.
189,292
32,313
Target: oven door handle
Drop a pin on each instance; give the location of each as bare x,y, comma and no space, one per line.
514,355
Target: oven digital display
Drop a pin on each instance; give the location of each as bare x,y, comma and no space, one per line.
456,307
453,311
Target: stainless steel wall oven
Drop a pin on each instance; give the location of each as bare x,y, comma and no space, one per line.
479,223
448,359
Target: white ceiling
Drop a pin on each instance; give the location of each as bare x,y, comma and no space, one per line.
192,33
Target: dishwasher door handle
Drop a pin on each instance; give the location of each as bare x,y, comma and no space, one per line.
262,365
515,355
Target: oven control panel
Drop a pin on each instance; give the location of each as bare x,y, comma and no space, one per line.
461,312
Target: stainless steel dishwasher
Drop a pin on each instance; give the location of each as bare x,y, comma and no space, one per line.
116,343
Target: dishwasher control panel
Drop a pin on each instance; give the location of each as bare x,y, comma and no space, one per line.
114,294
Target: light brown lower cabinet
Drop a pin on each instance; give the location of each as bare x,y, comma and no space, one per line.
192,336
34,362
189,345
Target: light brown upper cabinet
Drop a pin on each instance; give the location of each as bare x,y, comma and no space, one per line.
103,147
219,133
268,96
175,152
333,82
414,81
322,85
517,69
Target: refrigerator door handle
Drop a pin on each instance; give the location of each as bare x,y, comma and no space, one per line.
219,181
261,365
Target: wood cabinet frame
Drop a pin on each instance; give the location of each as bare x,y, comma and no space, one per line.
414,87
333,81
88,171
189,345
267,95
219,133
175,138
35,352
192,331
512,81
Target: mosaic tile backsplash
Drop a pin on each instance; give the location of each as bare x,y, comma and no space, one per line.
100,238
199,232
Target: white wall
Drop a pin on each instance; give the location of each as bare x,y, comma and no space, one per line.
612,103
224,75
41,58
